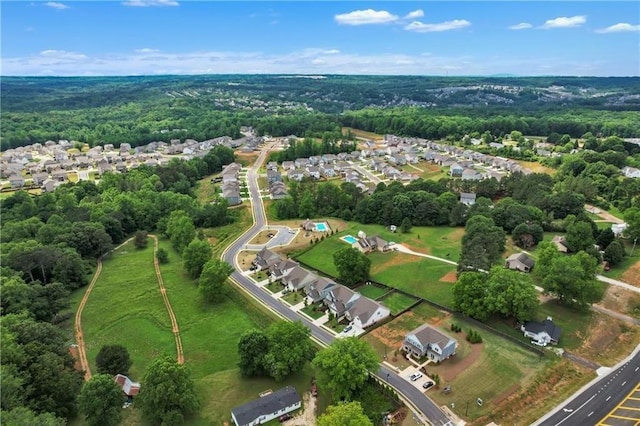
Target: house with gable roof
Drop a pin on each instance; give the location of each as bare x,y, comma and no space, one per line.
267,407
543,332
265,259
365,312
428,341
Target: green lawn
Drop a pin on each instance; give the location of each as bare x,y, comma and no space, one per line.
293,297
501,366
372,291
274,286
398,302
309,310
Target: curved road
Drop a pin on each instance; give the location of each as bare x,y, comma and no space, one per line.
599,397
410,394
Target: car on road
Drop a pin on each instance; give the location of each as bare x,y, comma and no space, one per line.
427,385
415,376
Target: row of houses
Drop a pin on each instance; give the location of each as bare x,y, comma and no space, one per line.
343,302
231,183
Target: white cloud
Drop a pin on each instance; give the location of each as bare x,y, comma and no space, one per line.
306,61
331,52
56,5
521,26
565,22
621,27
146,50
366,17
418,13
148,3
421,27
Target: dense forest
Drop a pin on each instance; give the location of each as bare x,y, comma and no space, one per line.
49,245
138,110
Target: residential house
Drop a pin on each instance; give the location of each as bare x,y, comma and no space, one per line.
273,176
16,181
366,312
231,192
327,170
315,160
339,299
368,244
267,407
313,172
60,175
428,341
301,162
398,159
265,259
560,243
619,228
471,174
630,172
296,174
520,262
456,170
272,165
543,332
298,279
318,289
283,268
128,386
468,198
288,165
277,190
104,168
329,158
39,178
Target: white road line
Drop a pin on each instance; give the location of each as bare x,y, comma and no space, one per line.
637,368
608,398
589,415
574,411
624,383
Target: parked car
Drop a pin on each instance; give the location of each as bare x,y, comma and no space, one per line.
285,417
347,328
415,376
537,343
427,385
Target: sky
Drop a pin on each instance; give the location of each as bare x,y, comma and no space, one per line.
146,37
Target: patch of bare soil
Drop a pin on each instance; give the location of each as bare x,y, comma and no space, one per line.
390,337
608,341
76,356
632,275
262,237
620,300
528,403
449,370
449,277
245,258
308,415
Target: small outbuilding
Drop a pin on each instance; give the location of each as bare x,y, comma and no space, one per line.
267,407
520,262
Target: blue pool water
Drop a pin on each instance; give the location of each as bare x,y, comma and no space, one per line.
322,227
349,239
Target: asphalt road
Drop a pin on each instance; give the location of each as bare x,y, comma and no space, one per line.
595,402
428,408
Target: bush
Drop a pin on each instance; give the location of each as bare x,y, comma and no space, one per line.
456,328
162,256
474,337
140,239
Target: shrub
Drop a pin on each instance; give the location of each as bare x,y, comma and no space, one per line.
474,337
162,256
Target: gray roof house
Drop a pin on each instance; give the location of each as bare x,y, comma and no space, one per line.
543,332
282,268
273,176
468,198
266,258
266,408
427,341
298,278
231,192
368,244
520,262
366,312
340,299
319,289
278,190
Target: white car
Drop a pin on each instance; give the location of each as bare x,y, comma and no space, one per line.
537,343
415,376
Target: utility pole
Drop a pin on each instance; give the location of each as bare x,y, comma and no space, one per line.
635,240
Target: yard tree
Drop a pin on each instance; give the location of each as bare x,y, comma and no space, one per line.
180,229
168,392
482,244
511,294
252,348
140,239
527,235
470,293
25,416
605,238
211,282
89,239
162,255
632,218
344,414
352,266
572,280
547,253
195,255
614,253
100,401
405,226
344,366
289,348
113,359
579,236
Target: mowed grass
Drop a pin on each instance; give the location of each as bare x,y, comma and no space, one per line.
501,367
398,302
372,291
125,308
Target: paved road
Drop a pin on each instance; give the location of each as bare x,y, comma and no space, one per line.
410,393
618,283
374,179
598,398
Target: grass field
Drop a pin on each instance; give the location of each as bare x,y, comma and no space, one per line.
397,302
125,307
372,291
362,133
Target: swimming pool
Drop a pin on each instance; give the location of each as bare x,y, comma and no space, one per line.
322,227
349,239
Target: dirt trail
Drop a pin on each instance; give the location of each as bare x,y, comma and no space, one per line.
81,350
167,304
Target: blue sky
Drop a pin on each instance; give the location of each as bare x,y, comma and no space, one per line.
133,37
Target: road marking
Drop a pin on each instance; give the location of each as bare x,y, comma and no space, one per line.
637,368
624,383
609,397
574,411
589,415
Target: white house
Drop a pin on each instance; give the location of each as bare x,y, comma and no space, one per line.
366,312
266,408
428,341
543,332
619,228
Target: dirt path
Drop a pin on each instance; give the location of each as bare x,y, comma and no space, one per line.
167,304
308,416
608,217
81,349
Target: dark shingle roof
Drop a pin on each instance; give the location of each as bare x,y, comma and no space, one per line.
267,404
547,325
